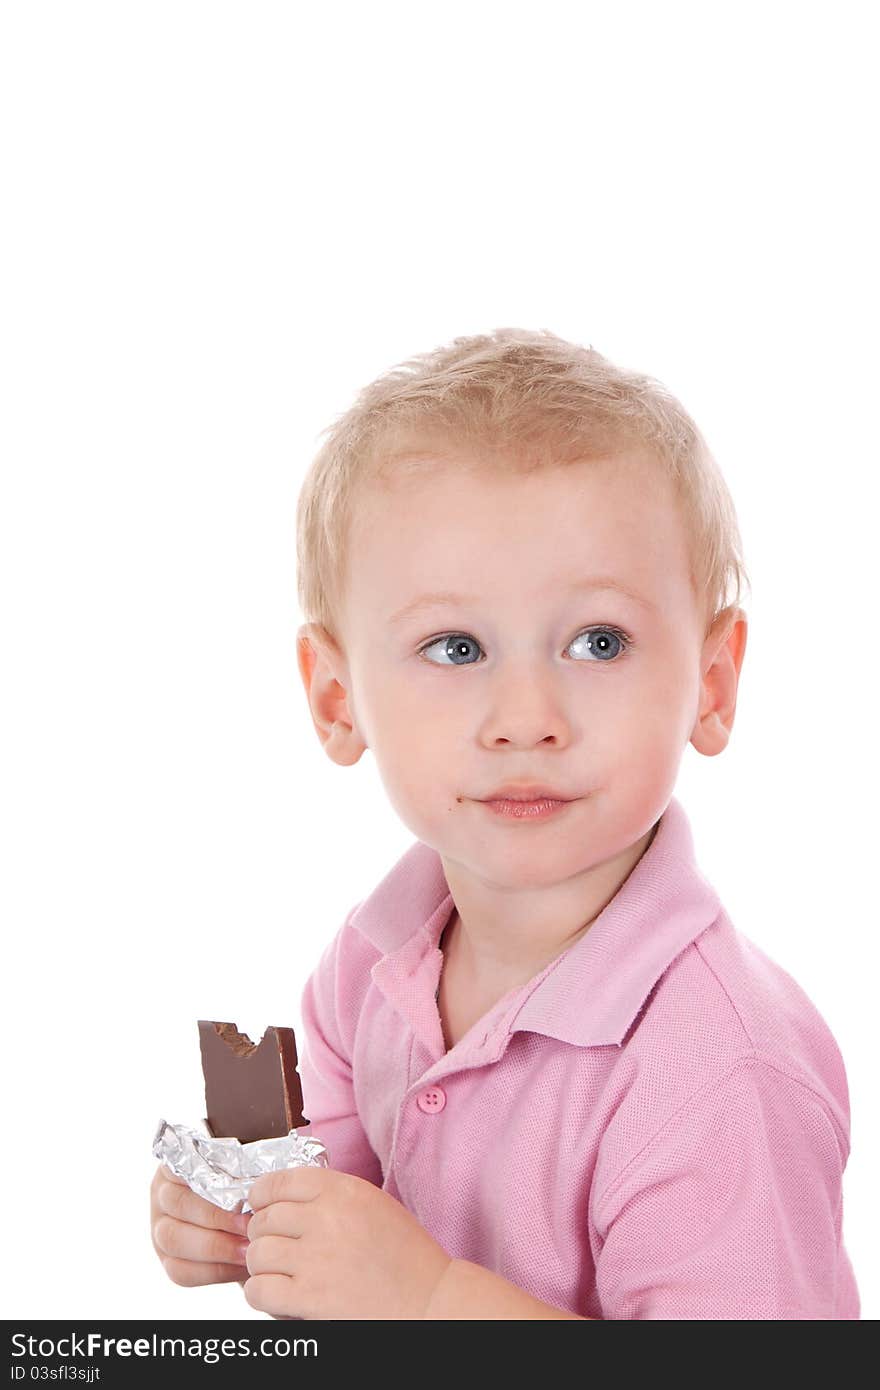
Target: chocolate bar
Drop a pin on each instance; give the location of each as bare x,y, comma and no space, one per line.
252,1090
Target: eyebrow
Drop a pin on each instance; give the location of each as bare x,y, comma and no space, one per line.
594,583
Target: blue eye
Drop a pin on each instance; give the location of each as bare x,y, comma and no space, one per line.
458,646
455,649
595,639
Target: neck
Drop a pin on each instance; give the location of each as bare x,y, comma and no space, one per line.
505,938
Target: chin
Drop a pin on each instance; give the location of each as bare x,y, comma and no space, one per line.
528,871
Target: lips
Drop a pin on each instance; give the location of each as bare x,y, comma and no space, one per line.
527,792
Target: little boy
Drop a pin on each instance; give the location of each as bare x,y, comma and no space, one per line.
553,1079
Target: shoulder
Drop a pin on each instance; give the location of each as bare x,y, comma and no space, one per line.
342,974
400,905
723,1016
722,999
773,1013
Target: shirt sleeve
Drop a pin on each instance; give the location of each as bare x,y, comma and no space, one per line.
732,1211
325,1068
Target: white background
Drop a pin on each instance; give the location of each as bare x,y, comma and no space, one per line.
220,221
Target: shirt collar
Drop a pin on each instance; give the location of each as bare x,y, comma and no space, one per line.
591,994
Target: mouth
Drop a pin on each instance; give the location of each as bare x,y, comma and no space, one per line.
524,792
522,803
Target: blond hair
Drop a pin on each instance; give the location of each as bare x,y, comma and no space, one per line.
517,400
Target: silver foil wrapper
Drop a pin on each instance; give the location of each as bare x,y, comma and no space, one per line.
223,1170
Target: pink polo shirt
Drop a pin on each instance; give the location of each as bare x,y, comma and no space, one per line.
655,1126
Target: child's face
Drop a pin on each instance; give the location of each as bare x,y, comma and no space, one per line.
516,697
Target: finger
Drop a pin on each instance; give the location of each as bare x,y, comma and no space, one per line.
272,1255
275,1294
170,1174
177,1200
162,1175
183,1242
289,1185
190,1274
280,1219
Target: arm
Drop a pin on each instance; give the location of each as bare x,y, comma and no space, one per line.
731,1211
468,1291
325,1061
325,1073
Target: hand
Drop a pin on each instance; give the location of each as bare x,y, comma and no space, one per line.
326,1244
197,1242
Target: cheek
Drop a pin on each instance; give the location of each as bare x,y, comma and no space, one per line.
392,702
398,704
423,774
412,734
419,768
384,704
649,718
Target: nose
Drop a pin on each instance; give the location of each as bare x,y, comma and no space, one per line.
525,710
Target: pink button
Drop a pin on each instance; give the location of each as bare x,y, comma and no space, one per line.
431,1101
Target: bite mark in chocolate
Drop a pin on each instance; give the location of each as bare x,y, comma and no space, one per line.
252,1090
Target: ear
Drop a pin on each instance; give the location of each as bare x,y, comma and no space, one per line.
720,666
327,683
